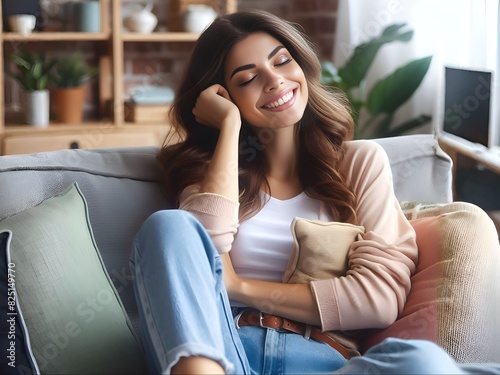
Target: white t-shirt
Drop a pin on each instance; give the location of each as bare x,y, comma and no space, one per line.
263,244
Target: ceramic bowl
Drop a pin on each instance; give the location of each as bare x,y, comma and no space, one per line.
22,23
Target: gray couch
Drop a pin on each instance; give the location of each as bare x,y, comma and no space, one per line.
123,187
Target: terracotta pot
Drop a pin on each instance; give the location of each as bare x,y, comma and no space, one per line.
67,104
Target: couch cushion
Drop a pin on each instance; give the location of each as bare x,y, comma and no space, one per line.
14,338
122,187
455,294
74,316
421,170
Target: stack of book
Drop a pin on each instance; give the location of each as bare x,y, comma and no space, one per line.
146,113
149,105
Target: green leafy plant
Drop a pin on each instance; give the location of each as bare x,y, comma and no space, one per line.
33,69
386,95
72,71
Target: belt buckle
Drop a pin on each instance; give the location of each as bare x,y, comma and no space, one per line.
278,327
261,320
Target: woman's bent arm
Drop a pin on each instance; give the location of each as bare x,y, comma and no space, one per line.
293,301
215,109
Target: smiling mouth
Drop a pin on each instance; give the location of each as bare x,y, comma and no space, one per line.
281,101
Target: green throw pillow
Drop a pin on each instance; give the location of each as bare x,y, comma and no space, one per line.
74,316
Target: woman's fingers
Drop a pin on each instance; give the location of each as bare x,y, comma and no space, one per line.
213,106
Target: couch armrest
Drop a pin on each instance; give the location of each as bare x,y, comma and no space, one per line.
422,172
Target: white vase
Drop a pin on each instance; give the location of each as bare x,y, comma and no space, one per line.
141,20
37,108
198,17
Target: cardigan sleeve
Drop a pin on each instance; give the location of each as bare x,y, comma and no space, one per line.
381,262
217,214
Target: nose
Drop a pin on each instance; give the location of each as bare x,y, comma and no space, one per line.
273,80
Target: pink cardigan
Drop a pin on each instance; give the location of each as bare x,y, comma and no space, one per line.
374,290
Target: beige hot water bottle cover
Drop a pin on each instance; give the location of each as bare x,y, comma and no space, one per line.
320,250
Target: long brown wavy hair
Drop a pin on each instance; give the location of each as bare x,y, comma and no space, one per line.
321,133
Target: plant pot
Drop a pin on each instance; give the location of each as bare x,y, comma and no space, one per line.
67,104
37,108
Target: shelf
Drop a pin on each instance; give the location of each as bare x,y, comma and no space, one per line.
488,158
133,125
54,36
110,47
81,137
16,129
19,129
160,37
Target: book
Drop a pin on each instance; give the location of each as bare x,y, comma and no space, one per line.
146,113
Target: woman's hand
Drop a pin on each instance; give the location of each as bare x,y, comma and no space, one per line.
214,108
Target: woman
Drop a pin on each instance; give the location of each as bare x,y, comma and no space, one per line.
264,143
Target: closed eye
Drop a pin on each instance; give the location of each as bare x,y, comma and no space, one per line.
247,82
284,61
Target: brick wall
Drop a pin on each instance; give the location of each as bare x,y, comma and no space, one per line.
316,17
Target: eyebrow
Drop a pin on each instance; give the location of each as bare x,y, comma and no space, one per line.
251,66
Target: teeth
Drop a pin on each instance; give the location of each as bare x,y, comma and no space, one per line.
285,99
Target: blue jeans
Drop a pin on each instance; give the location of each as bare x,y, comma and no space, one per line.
185,311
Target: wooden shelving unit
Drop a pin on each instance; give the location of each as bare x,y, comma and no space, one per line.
160,37
110,129
54,37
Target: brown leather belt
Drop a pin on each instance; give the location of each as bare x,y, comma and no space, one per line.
259,319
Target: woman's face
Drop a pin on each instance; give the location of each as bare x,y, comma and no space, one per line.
265,82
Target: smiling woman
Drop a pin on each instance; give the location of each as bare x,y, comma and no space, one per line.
255,79
256,60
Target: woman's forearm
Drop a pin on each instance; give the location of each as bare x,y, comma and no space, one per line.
292,301
215,109
222,174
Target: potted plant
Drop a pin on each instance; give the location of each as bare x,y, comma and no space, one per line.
387,95
70,75
33,73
